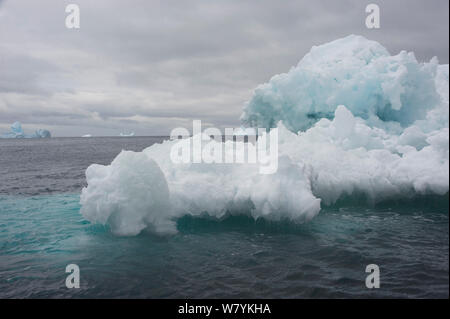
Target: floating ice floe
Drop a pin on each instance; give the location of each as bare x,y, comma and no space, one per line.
126,134
353,120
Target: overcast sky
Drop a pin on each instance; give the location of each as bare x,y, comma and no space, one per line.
149,66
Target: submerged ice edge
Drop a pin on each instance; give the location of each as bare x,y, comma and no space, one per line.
373,124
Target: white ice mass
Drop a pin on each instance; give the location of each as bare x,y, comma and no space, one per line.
17,132
353,120
126,134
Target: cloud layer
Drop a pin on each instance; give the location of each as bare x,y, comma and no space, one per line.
149,66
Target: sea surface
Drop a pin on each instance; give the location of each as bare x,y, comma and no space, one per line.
42,231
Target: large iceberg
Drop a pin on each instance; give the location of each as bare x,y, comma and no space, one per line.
387,91
352,121
17,132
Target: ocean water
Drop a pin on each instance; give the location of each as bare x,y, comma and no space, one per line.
42,231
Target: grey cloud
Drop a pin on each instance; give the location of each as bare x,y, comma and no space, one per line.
21,73
152,65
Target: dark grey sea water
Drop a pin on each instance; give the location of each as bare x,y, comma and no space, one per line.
42,231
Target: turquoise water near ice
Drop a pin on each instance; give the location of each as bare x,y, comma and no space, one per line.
42,231
235,257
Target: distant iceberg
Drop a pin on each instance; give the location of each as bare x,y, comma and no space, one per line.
40,133
130,134
17,132
87,135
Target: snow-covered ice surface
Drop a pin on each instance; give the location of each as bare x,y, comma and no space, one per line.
353,120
